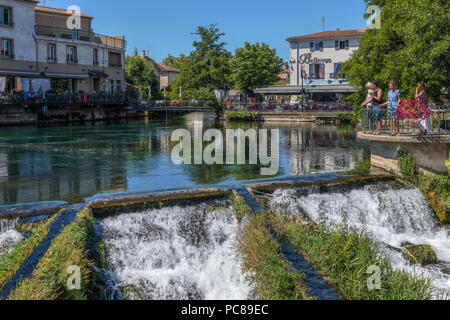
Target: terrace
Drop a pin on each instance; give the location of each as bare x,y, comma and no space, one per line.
67,34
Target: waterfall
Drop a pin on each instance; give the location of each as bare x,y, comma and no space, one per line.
8,236
176,253
394,214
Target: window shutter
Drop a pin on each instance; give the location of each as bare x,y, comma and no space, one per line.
347,44
336,45
321,46
311,46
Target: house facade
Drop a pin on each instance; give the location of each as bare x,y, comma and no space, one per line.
76,60
314,67
164,73
319,56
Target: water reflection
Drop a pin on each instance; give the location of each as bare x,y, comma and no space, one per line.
76,162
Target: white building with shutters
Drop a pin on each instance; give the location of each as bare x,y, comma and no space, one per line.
315,62
320,55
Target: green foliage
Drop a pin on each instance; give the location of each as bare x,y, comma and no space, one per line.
265,269
364,164
412,45
407,165
69,248
11,262
241,115
435,187
140,73
254,65
345,117
206,68
438,187
345,255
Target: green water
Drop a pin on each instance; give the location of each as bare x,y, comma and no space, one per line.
75,163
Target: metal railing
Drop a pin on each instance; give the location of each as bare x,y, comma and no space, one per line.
67,34
62,99
440,122
286,107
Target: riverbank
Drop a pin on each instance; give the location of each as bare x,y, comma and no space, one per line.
286,116
280,257
15,116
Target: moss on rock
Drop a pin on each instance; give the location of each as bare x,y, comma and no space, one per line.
420,254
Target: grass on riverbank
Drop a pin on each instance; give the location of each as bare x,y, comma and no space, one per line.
241,116
50,277
265,269
435,187
344,257
11,262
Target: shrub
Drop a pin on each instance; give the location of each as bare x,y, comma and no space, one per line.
407,165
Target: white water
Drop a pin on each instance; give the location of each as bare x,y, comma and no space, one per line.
8,236
392,215
176,253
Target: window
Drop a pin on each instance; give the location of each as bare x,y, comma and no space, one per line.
5,16
119,86
342,45
319,46
317,71
72,55
311,46
95,57
6,48
51,52
115,59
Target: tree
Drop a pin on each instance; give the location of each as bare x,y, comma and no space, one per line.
208,66
412,45
255,64
140,73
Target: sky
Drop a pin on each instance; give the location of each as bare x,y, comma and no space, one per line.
166,27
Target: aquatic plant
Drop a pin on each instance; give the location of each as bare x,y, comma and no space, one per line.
265,269
345,256
69,248
11,262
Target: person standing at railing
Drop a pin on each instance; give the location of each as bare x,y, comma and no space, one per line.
392,104
376,105
422,97
368,104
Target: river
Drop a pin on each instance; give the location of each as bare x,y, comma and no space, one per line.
81,162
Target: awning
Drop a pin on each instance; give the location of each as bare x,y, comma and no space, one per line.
67,75
97,74
19,73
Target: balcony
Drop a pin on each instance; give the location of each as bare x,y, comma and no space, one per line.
67,34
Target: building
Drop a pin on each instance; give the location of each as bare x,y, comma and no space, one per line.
320,55
17,40
315,61
165,73
41,46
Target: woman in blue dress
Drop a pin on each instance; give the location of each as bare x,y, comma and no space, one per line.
392,105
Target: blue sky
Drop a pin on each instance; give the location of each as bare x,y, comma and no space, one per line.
165,27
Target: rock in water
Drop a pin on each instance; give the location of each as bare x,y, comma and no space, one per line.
420,254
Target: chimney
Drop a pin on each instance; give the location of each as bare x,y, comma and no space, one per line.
143,54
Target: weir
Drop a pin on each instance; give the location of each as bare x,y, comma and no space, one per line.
396,214
158,235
